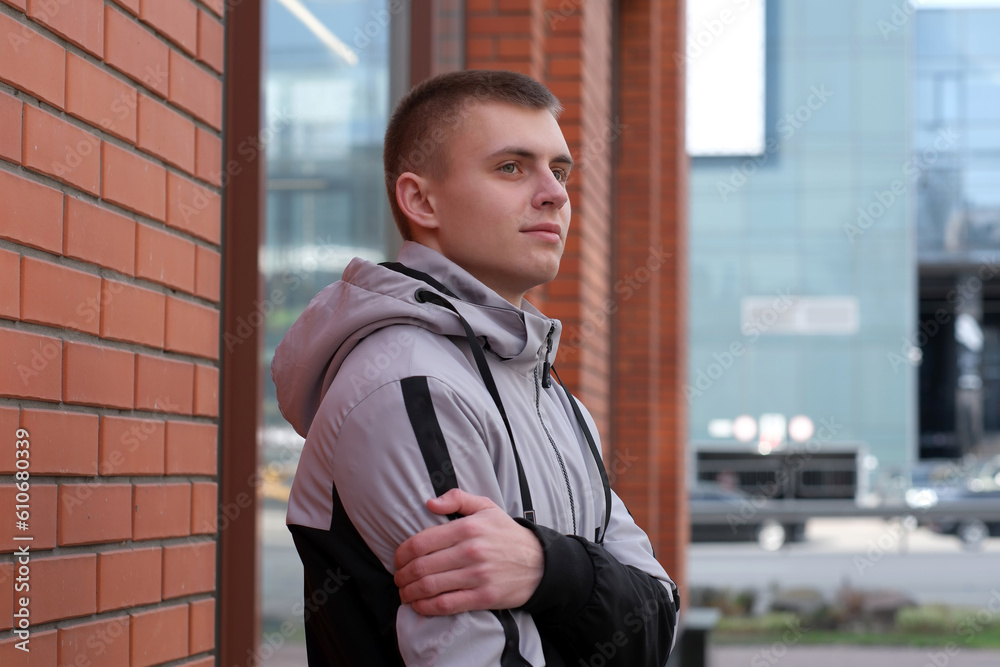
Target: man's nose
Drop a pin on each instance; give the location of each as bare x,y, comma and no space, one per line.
551,192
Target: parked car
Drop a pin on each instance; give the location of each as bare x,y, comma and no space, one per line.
973,530
721,514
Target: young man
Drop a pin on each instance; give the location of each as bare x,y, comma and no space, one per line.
450,506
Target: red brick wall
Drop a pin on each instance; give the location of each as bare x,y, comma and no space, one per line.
110,219
651,329
622,307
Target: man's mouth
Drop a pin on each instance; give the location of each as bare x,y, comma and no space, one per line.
547,231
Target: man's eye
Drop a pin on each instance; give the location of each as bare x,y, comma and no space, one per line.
561,175
512,170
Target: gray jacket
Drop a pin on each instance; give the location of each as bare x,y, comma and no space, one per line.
369,375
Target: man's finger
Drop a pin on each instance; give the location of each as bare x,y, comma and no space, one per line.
460,502
428,541
448,604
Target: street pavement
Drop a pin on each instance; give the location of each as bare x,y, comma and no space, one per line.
862,553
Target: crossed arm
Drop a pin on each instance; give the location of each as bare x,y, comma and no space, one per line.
570,597
486,560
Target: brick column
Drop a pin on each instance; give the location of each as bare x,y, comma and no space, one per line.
567,46
650,242
110,161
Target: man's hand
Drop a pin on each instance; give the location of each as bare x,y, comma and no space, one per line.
481,561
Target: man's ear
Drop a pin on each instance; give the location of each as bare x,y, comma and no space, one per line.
413,197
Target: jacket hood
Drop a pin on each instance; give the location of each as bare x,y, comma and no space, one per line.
369,297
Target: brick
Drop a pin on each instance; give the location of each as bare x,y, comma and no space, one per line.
59,296
164,258
63,587
161,510
30,213
10,128
177,20
31,62
208,157
99,236
133,182
79,21
44,648
63,443
32,366
496,25
211,41
192,448
136,52
132,314
128,578
104,642
6,596
163,385
166,134
207,273
206,391
204,508
204,662
95,375
202,623
196,91
131,446
17,4
192,329
95,96
194,209
132,6
42,519
159,635
188,569
94,513
10,284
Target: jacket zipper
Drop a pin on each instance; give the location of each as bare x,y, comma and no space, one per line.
538,410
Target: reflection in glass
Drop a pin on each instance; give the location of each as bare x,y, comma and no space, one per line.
326,84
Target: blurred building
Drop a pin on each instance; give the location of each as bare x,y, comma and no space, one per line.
844,268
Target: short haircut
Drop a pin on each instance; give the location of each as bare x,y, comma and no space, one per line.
419,129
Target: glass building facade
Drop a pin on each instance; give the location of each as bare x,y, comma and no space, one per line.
327,98
956,109
849,273
802,258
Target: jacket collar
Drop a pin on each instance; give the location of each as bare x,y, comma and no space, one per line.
517,335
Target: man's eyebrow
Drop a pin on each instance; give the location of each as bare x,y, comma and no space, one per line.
529,155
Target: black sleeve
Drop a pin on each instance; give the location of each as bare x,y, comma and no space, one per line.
588,604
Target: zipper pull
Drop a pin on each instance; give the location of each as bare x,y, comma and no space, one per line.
546,380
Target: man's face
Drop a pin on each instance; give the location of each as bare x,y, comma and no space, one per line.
502,209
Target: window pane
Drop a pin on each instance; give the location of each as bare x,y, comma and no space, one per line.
326,107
